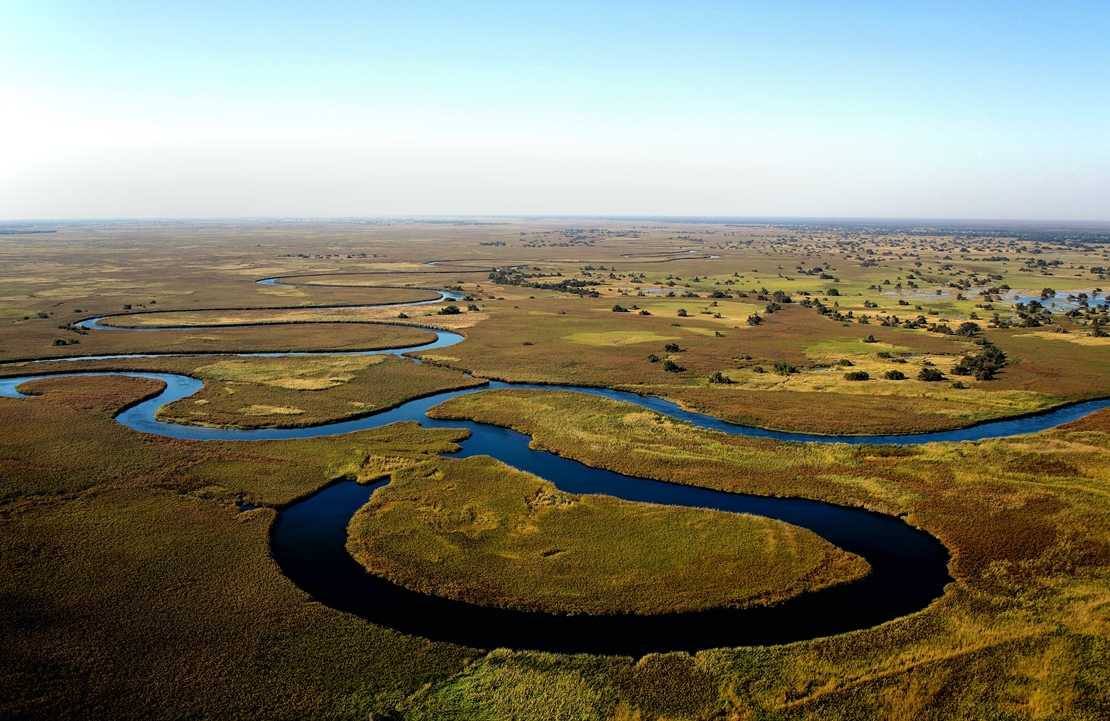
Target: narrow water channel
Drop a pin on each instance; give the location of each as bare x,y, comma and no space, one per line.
909,566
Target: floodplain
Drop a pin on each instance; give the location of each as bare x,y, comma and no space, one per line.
138,579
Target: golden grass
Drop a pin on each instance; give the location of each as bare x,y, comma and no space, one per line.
480,531
287,392
293,373
1032,568
424,315
618,338
129,588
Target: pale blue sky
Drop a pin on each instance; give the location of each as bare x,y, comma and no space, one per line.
151,109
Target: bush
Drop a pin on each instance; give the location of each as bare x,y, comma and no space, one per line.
870,339
450,310
857,376
845,362
719,377
754,319
672,348
644,312
619,309
472,307
682,313
758,369
671,367
930,375
785,369
652,358
894,376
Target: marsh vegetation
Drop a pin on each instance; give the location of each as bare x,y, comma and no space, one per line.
132,586
480,531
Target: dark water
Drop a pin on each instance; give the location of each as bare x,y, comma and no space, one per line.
909,569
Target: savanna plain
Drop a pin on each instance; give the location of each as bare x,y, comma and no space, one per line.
137,577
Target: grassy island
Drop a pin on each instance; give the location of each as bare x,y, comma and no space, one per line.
478,530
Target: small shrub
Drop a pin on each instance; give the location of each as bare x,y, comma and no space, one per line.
652,358
845,362
450,310
682,313
857,376
754,319
644,312
719,377
870,339
672,348
619,309
671,367
785,369
894,376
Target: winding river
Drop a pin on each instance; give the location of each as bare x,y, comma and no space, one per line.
909,566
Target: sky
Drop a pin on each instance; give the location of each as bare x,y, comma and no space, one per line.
322,109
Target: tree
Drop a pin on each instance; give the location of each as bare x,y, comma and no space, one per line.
785,369
681,312
894,375
754,319
450,310
930,375
672,348
983,365
857,376
719,377
967,329
671,367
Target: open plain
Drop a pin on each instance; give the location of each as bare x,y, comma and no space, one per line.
138,575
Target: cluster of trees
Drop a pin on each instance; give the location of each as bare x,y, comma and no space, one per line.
567,285
982,365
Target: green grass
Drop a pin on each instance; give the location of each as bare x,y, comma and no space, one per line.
480,531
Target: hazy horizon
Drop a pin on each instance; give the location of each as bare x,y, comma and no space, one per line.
960,112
